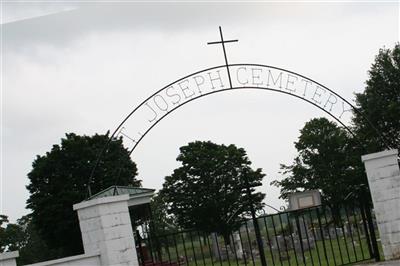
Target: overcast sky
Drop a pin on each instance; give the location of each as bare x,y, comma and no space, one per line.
82,67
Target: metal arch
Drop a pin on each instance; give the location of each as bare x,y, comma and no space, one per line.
221,90
231,89
128,116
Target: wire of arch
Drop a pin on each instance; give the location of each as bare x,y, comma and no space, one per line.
232,89
101,153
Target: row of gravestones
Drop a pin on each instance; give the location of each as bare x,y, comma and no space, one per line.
286,242
311,235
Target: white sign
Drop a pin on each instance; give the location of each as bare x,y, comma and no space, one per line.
305,199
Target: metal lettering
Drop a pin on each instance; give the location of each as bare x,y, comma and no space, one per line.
214,79
186,88
305,86
290,82
279,78
198,84
330,102
173,95
155,113
163,100
317,94
255,76
343,110
237,76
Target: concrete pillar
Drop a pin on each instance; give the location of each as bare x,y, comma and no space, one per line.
8,258
106,228
384,182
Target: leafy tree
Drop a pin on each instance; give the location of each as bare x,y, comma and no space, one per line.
23,237
154,224
163,222
11,236
15,237
208,191
3,233
59,179
327,160
32,248
380,102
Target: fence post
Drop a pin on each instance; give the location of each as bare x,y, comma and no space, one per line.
153,235
300,237
364,220
372,233
138,239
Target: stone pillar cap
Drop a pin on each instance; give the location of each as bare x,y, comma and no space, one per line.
379,155
9,255
99,201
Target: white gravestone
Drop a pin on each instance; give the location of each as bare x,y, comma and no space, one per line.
238,245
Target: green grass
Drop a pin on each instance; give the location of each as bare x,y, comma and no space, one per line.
338,252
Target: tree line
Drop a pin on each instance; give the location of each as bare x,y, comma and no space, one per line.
329,156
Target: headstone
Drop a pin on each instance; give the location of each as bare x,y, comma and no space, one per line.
238,245
303,228
361,228
278,242
215,246
326,232
289,242
307,244
348,230
339,231
220,251
316,231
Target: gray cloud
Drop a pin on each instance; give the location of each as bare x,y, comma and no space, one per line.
84,19
83,70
